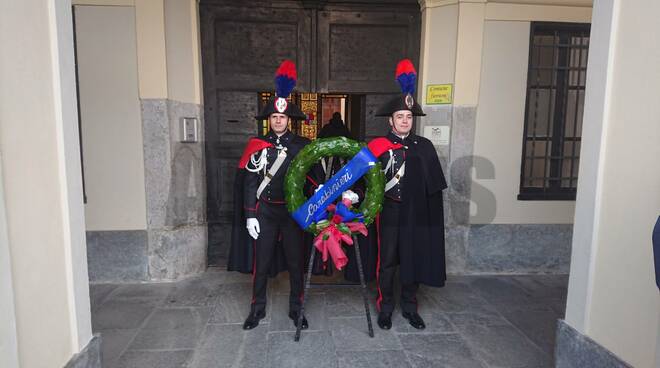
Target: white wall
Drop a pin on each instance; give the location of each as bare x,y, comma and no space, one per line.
438,48
148,49
110,118
8,339
612,295
183,49
42,181
540,10
499,129
469,49
482,48
151,48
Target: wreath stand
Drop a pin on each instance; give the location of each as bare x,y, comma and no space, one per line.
363,288
308,277
371,205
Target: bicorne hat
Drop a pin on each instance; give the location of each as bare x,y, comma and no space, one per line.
285,80
407,77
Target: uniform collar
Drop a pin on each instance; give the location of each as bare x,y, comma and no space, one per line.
396,139
284,138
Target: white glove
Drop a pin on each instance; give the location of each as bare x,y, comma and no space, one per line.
319,188
351,195
252,225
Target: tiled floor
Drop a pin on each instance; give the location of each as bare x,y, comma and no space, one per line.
473,322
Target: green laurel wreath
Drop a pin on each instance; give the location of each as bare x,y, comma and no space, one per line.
338,147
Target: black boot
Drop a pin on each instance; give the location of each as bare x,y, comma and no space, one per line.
294,316
385,320
253,319
415,320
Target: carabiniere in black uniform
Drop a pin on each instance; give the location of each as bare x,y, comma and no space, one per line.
274,220
411,223
389,229
259,194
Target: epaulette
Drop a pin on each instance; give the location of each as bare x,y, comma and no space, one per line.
253,145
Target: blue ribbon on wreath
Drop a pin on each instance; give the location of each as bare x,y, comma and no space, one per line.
315,207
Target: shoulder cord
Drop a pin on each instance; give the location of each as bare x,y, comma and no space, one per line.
389,165
258,163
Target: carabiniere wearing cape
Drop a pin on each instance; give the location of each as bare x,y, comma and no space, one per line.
259,197
411,224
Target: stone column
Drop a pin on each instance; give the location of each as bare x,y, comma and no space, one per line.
451,54
43,230
175,180
613,303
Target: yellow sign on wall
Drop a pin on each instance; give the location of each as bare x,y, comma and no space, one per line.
438,94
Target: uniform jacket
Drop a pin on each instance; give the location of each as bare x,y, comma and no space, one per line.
241,257
421,232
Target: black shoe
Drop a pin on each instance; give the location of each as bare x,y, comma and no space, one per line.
415,320
253,319
294,316
385,320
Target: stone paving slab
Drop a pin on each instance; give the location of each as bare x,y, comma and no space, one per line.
229,346
160,359
373,359
230,305
346,302
172,328
502,345
351,334
314,311
145,294
120,315
98,294
474,321
315,349
114,343
194,292
439,350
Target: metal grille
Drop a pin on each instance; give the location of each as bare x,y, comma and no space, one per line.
553,112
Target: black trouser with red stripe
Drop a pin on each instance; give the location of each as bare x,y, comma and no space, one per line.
388,260
274,219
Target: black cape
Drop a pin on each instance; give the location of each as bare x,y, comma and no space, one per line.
241,250
421,217
368,256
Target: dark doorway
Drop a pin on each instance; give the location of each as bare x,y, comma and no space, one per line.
345,54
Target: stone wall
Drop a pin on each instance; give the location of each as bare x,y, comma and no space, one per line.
490,248
174,245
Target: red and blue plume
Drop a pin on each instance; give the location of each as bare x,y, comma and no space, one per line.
285,78
406,76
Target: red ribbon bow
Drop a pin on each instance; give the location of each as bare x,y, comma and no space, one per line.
329,240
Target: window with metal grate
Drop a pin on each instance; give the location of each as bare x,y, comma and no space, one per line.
553,110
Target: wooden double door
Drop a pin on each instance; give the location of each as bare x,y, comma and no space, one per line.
339,47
